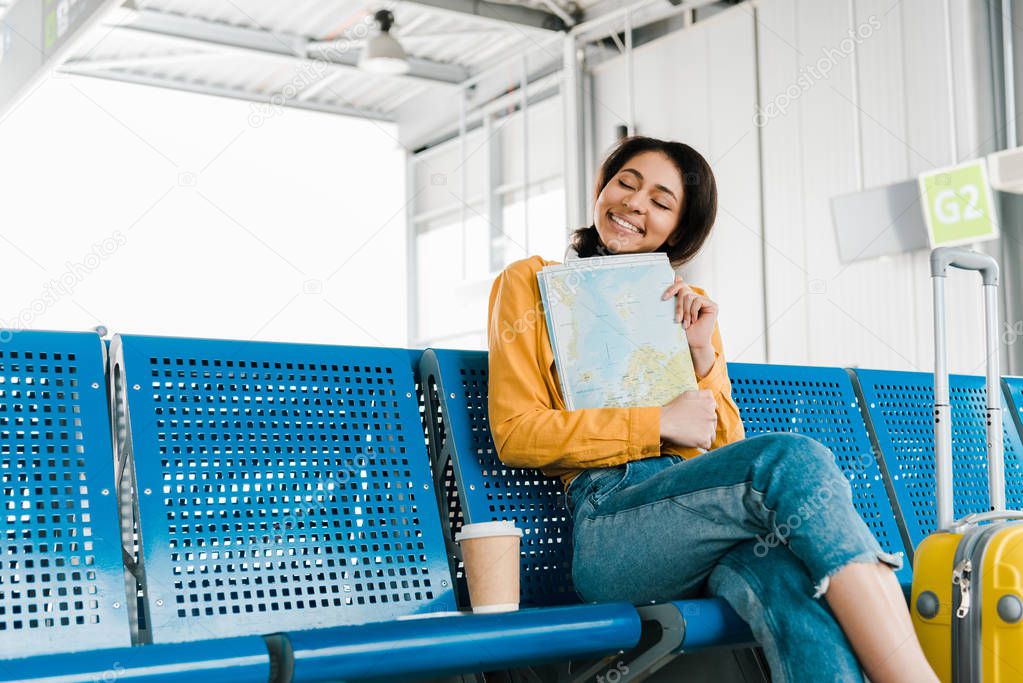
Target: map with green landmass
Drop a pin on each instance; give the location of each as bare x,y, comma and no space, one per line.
616,343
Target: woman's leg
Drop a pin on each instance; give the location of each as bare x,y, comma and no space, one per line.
800,637
657,532
869,603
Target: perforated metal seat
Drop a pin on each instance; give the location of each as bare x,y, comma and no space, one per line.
478,487
481,488
900,407
279,489
285,489
280,486
63,611
61,577
820,402
441,646
226,660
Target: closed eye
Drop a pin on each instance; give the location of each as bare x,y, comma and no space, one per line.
630,187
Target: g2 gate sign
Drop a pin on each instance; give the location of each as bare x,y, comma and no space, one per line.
958,205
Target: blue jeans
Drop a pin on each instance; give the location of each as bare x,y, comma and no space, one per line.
762,523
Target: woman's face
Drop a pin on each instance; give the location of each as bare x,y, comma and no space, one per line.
645,195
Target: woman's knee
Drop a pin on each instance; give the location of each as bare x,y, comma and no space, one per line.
761,563
798,454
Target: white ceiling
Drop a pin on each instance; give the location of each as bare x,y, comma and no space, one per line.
303,52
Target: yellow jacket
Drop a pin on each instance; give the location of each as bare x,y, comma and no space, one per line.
528,419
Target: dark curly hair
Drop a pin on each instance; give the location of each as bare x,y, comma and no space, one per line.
699,198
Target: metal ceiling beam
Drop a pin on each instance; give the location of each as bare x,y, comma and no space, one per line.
218,91
607,17
207,35
134,62
498,13
315,88
406,38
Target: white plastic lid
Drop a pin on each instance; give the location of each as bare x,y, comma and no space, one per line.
501,607
484,529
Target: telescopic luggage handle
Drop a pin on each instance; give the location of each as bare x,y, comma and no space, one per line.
964,259
941,259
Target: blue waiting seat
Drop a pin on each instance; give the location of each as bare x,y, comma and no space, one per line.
284,490
481,488
63,610
227,660
478,487
441,646
61,583
820,402
322,524
817,402
899,407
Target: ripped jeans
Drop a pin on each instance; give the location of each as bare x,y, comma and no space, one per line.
762,523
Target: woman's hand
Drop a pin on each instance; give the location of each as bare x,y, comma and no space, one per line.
690,420
696,312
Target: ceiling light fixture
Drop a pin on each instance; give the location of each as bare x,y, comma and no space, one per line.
383,54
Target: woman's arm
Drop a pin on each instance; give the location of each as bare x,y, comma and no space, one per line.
528,431
729,427
698,313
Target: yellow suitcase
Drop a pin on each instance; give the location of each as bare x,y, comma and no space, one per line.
967,599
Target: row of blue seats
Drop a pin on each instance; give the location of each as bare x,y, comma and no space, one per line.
248,510
878,424
270,513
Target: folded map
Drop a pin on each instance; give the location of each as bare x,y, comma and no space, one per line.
615,341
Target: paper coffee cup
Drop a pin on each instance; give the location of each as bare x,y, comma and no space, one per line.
490,555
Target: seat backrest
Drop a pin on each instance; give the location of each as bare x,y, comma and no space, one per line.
480,488
900,406
819,402
280,486
62,586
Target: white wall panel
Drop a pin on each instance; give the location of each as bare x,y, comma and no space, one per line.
438,173
975,137
732,263
874,313
929,137
888,333
928,134
546,147
828,159
788,331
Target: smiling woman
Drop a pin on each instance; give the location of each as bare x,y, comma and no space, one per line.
650,195
671,501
